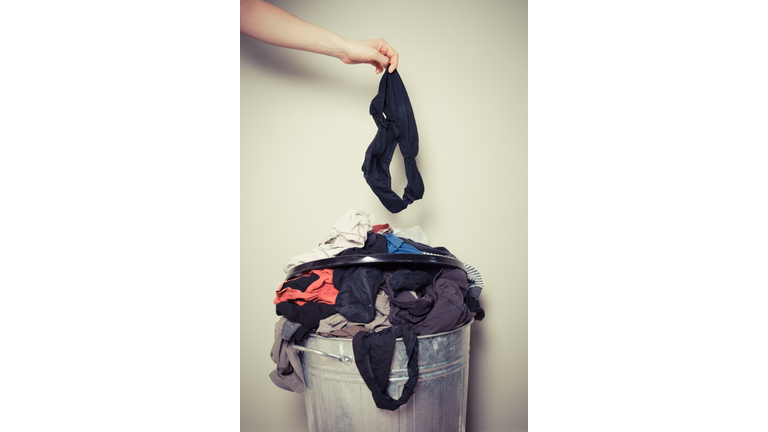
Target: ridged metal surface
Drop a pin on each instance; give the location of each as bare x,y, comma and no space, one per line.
338,400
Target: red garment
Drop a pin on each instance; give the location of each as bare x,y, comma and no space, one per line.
320,291
381,228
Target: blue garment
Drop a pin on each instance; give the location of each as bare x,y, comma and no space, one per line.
396,245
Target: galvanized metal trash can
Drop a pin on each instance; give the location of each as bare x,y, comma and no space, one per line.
338,400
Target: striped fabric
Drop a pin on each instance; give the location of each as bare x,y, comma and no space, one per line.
475,281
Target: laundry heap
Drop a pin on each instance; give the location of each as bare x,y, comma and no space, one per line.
372,304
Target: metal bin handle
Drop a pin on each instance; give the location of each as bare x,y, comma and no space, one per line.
344,359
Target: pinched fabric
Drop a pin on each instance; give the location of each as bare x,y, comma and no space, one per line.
392,113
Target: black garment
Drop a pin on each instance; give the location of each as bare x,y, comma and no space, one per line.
439,250
374,244
301,283
405,279
309,314
373,357
392,112
357,296
474,307
302,333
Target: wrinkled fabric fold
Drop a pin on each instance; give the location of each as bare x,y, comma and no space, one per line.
373,358
440,306
350,231
289,373
357,296
392,112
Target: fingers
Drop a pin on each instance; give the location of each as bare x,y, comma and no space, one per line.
391,55
381,62
393,63
376,52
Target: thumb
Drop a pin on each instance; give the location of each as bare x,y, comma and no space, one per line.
381,60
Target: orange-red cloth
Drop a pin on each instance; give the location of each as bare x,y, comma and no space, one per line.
377,229
320,291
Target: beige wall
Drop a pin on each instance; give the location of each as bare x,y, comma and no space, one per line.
304,130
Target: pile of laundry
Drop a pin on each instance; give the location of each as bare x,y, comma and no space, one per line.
362,300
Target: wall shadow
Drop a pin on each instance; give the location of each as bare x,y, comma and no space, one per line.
274,60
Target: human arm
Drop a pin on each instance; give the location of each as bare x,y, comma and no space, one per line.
270,24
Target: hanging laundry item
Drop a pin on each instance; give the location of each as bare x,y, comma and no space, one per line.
373,358
392,112
473,292
289,374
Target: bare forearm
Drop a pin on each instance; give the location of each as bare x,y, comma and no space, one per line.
270,24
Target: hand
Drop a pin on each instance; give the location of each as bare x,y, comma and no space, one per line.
376,52
270,24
